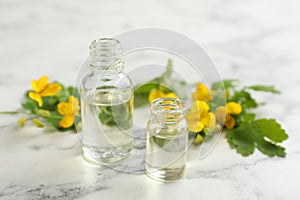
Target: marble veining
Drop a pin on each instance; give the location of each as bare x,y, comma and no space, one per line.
256,41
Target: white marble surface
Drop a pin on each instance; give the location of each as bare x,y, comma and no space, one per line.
255,40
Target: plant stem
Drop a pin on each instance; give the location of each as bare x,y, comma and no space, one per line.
54,117
12,112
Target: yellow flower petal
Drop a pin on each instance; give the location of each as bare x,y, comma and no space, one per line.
192,116
200,106
220,114
36,97
155,94
209,120
212,119
229,122
233,108
203,89
73,100
51,89
170,95
39,85
65,108
75,105
66,121
202,93
195,126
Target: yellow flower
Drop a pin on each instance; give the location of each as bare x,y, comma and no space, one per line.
68,110
170,95
42,88
223,114
155,94
202,93
199,117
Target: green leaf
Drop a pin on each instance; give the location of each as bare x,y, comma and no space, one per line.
141,92
244,98
106,119
50,103
263,134
159,141
264,88
145,88
246,118
29,104
74,91
54,119
164,83
225,84
271,129
140,100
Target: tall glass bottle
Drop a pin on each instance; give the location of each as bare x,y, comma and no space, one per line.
167,140
106,104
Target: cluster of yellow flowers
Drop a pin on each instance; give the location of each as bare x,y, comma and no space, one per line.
42,88
200,117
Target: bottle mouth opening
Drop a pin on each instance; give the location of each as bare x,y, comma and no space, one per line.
167,106
104,42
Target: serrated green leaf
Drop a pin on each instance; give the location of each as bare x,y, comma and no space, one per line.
242,140
263,134
264,88
270,149
271,129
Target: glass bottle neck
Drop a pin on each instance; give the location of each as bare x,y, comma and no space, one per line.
167,110
106,54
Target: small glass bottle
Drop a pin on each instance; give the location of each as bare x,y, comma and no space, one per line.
167,140
106,104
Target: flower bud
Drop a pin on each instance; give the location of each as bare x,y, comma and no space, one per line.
44,113
198,139
22,121
37,123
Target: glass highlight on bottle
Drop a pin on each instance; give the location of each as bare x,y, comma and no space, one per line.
106,104
167,140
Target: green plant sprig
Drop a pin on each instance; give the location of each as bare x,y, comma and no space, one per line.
249,132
